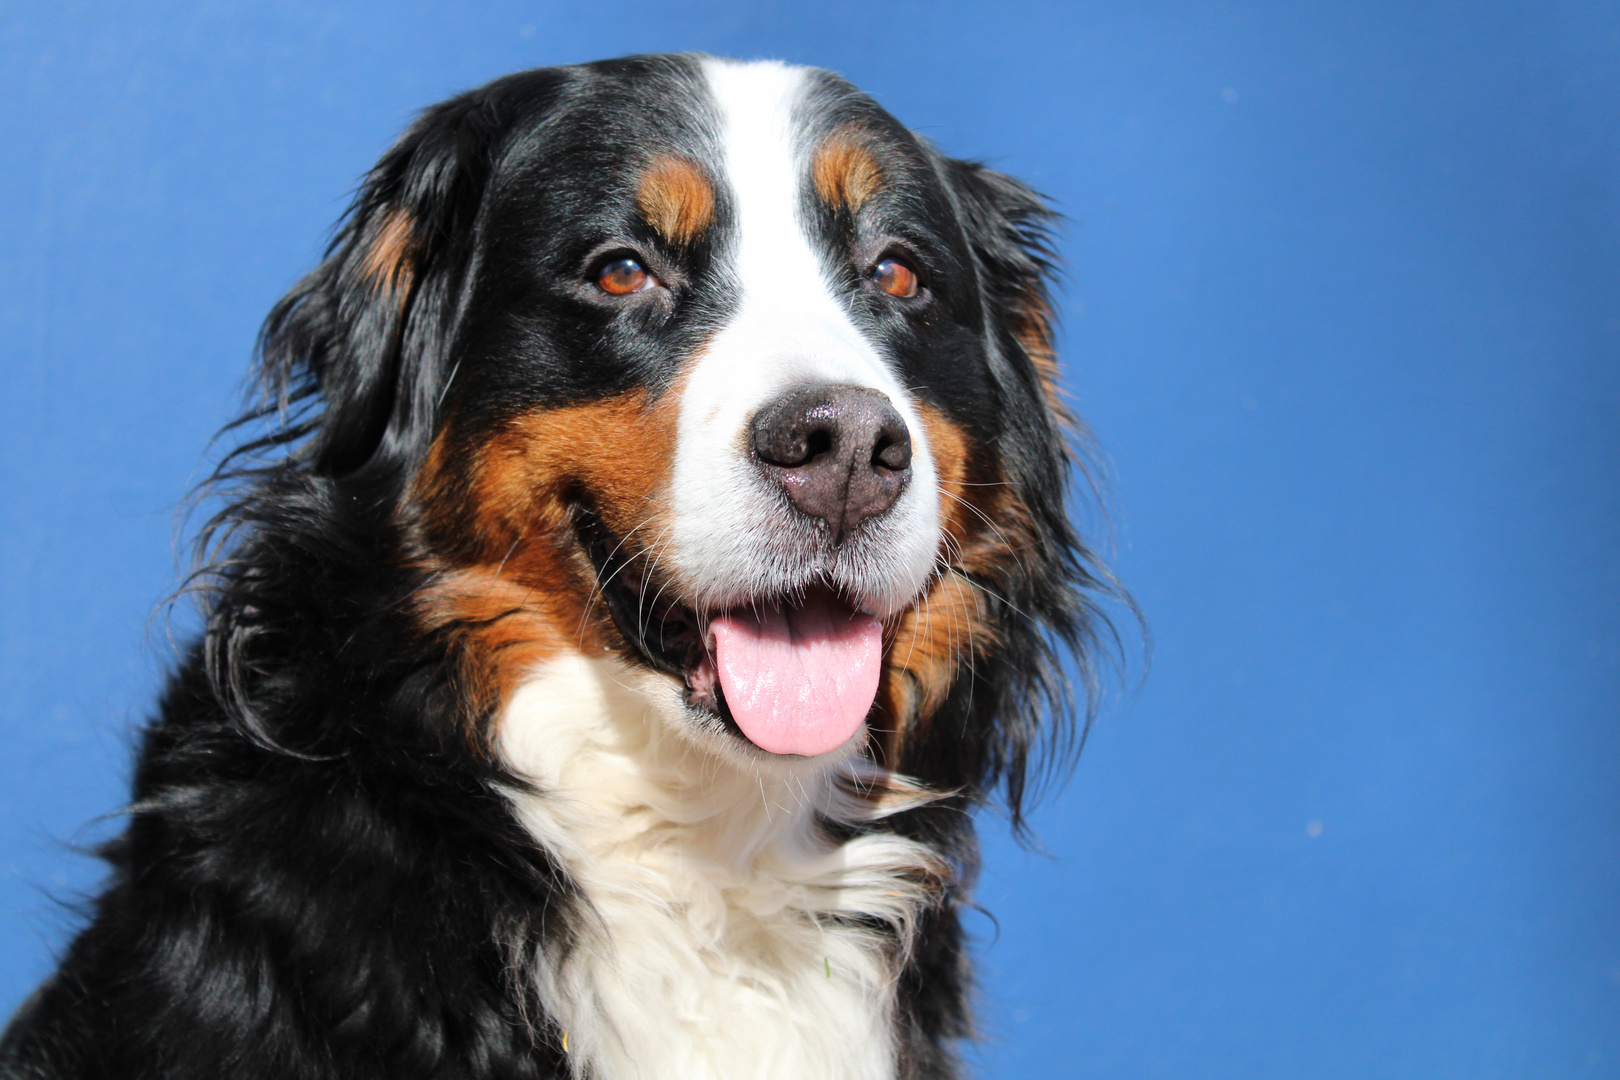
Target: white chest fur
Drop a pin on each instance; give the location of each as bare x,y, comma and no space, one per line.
716,946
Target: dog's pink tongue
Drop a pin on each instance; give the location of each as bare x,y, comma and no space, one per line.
799,680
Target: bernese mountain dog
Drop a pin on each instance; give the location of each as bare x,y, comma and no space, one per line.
648,549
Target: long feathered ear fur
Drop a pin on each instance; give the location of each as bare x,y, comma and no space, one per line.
352,375
1033,708
368,326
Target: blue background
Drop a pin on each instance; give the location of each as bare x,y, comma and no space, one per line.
1343,308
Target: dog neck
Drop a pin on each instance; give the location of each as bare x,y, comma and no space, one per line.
724,931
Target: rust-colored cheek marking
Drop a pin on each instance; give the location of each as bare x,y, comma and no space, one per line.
676,198
948,447
522,592
944,635
986,533
985,523
390,258
946,628
845,172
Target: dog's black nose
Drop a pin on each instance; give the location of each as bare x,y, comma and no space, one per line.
842,453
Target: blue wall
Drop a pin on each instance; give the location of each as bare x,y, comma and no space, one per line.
1343,308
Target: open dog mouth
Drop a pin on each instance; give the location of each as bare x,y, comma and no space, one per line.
793,674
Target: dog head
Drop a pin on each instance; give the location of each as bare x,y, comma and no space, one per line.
718,368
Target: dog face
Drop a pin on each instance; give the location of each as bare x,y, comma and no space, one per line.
712,366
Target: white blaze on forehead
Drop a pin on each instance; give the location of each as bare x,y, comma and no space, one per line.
789,330
786,304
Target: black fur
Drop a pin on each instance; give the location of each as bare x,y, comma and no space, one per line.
319,878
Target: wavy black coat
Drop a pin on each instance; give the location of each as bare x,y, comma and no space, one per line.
319,877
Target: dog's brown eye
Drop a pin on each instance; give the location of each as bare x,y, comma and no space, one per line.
895,278
621,277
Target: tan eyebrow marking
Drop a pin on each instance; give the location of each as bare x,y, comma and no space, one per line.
844,171
676,198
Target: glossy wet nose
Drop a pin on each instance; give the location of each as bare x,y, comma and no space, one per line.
841,453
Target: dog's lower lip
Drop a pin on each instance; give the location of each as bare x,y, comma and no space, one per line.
701,677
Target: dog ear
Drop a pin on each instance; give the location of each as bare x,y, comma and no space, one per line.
1045,602
361,341
1009,227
